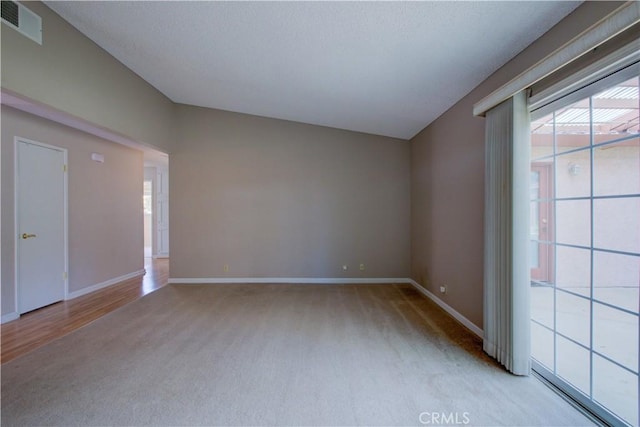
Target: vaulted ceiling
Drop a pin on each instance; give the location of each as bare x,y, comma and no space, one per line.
386,68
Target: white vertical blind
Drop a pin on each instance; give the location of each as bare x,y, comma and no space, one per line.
506,278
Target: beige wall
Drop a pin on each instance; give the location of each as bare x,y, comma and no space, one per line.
268,197
105,203
447,180
74,75
272,198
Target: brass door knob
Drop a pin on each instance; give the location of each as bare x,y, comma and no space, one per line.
27,236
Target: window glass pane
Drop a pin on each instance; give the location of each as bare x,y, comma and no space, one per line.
617,168
573,270
573,174
572,127
615,334
542,261
542,137
616,224
542,304
615,111
542,345
573,364
573,317
616,389
585,247
541,221
616,279
534,254
573,222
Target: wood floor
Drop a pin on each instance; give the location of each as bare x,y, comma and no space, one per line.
40,327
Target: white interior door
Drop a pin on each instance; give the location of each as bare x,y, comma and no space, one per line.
41,224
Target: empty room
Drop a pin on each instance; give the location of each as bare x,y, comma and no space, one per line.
320,213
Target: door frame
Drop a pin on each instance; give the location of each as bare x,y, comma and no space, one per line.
16,203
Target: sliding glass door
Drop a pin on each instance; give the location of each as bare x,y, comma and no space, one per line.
585,248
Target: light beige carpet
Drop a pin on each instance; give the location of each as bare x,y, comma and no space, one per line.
273,355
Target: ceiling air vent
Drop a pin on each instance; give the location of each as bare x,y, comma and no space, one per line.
22,19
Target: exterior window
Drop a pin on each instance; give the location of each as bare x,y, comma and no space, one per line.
585,257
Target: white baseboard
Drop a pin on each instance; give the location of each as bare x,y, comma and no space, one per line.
9,317
301,280
93,288
446,307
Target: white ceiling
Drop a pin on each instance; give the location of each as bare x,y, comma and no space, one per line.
386,68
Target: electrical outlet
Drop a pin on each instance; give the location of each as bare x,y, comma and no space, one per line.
226,268
361,267
443,289
345,268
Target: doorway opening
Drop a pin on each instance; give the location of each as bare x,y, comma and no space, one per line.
155,199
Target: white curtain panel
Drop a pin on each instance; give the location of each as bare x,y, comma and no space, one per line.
507,270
